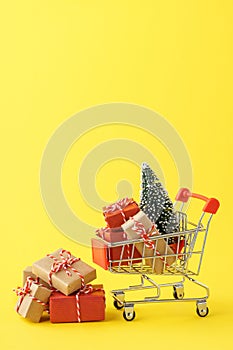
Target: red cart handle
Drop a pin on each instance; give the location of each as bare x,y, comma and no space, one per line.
211,206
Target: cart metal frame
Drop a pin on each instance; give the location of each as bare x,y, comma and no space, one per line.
194,238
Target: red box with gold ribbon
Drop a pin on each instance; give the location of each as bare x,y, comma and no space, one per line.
117,213
85,305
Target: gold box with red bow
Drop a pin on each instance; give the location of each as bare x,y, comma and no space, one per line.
118,213
33,300
64,271
88,305
156,251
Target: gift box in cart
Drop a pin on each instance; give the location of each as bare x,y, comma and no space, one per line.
172,254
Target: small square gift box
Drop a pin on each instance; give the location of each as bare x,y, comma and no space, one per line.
112,234
117,213
104,255
64,271
157,252
27,272
88,304
33,300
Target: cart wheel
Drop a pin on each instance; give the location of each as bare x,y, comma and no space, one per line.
202,312
178,294
129,316
117,305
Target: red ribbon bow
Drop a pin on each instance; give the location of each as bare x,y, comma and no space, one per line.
143,233
65,263
101,231
120,205
26,290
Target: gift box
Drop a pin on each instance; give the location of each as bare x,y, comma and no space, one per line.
79,307
126,251
99,253
118,213
177,246
64,271
140,226
33,300
102,254
112,235
27,272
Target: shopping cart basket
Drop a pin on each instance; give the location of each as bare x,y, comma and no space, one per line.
188,245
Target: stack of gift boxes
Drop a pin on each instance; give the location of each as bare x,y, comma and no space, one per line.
59,283
125,221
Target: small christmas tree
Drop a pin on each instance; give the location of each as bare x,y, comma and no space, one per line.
155,202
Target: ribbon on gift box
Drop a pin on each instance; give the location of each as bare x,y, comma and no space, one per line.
103,230
26,290
101,233
87,289
145,235
65,263
139,228
120,205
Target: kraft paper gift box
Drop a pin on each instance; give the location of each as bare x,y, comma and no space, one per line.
160,244
101,254
30,305
91,306
112,234
67,283
27,272
117,213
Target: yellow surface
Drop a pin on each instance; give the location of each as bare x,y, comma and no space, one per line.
59,57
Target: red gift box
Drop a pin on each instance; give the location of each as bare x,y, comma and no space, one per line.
102,254
112,235
63,308
99,253
117,213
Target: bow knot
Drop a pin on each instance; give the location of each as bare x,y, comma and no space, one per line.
64,264
144,234
21,291
88,288
26,290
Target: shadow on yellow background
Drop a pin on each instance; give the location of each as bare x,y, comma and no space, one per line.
59,57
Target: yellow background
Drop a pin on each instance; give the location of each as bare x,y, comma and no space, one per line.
59,57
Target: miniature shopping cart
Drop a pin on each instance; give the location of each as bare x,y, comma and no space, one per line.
188,246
